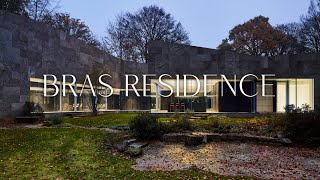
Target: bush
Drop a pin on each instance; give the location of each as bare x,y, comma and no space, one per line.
303,127
145,127
214,121
31,108
55,120
183,123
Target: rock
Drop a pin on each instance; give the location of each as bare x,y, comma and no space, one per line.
285,141
280,135
138,145
121,147
213,137
174,137
107,145
121,128
193,140
135,151
130,141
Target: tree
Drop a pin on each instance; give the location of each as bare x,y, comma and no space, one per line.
294,44
93,96
34,9
225,46
13,6
117,41
256,37
130,34
72,26
310,31
37,9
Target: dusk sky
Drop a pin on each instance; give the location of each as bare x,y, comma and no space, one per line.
206,21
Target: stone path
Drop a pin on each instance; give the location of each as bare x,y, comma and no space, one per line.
234,159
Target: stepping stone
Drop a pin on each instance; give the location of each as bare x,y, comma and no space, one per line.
138,145
121,128
130,141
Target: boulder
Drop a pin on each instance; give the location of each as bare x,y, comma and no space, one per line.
193,140
138,144
135,151
285,141
130,141
121,147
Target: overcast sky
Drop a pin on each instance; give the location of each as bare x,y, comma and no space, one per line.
206,21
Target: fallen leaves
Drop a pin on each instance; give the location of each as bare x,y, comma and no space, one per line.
234,159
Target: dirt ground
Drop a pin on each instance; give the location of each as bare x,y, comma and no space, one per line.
234,159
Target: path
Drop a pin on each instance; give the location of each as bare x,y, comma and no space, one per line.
234,159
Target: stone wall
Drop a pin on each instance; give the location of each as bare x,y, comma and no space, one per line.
183,59
30,49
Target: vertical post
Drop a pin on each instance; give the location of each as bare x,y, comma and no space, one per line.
312,88
157,98
60,98
75,99
106,102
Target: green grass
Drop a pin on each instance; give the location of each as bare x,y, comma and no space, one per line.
228,121
72,153
165,119
107,120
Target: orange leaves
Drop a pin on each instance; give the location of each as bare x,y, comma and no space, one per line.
257,37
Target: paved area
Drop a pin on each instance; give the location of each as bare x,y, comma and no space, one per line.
235,159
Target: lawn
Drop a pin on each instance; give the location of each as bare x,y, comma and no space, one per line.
107,120
72,153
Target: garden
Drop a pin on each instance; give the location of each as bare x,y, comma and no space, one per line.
135,146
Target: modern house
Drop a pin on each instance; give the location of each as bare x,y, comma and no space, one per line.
30,49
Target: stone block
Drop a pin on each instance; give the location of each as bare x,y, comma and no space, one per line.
193,140
174,137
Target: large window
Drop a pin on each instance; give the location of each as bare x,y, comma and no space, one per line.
69,103
298,92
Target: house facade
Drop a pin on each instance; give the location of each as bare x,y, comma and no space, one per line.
30,49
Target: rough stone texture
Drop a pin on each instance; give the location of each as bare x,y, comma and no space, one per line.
174,137
199,61
135,151
31,49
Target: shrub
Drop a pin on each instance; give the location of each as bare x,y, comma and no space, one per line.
214,121
183,123
145,127
168,127
175,115
31,108
303,127
55,120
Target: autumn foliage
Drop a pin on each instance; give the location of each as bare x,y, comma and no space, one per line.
256,37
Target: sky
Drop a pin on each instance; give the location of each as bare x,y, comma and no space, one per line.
206,21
